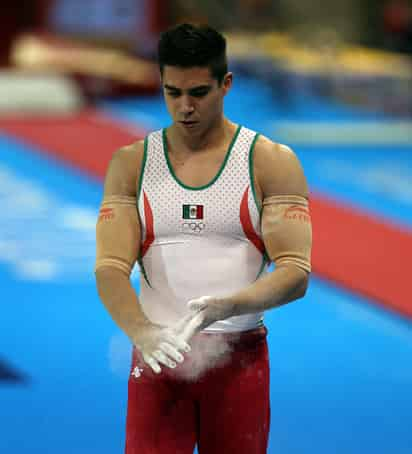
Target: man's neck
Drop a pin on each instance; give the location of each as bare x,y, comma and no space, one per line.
210,139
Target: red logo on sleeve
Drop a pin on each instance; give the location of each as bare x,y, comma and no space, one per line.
298,213
106,214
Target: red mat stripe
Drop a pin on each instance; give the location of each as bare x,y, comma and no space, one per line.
361,252
86,140
364,253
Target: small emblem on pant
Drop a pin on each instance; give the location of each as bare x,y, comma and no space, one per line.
137,372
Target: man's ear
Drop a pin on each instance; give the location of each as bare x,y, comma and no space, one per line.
227,82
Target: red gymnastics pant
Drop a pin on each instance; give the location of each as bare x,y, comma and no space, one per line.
224,411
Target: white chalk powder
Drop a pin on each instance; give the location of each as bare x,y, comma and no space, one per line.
208,351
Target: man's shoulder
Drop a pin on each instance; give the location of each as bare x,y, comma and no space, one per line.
129,154
122,177
267,149
278,168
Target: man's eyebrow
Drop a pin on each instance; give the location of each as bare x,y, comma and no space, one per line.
199,87
171,87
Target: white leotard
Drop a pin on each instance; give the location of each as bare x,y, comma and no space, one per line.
198,241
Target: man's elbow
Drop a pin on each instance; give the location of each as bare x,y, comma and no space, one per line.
303,284
102,276
107,278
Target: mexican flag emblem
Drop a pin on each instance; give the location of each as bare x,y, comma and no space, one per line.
192,211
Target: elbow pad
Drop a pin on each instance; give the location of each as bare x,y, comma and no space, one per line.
287,230
117,234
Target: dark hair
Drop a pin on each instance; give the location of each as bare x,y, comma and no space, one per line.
188,45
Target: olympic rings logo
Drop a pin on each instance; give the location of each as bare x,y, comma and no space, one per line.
195,227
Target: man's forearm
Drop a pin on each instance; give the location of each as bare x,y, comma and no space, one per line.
120,300
285,284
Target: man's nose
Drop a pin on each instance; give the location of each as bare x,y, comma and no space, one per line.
187,106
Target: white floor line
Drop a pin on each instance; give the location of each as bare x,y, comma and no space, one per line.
345,133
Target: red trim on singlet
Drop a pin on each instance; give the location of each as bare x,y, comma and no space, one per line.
247,223
148,215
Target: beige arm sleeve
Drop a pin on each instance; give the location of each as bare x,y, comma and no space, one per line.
287,230
287,235
118,241
117,235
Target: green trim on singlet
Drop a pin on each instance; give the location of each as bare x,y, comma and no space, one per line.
198,188
144,274
262,267
265,257
139,190
139,187
252,175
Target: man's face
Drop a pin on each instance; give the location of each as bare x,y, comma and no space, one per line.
193,97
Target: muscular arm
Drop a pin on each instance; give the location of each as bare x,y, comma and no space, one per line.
286,230
118,240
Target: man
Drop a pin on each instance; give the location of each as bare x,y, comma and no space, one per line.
215,204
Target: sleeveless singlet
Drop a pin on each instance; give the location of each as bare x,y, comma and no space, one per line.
198,241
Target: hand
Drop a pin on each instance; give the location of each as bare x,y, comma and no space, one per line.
160,345
203,312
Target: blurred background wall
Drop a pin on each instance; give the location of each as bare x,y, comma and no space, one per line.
341,48
356,21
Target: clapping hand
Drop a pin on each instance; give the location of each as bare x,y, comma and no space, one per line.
160,345
203,312
165,345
